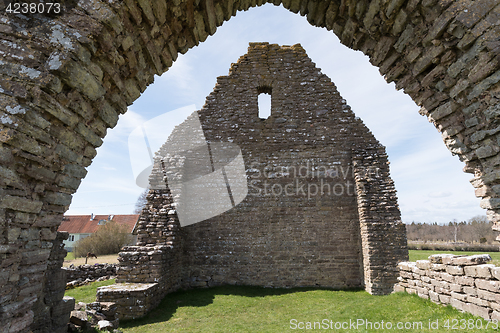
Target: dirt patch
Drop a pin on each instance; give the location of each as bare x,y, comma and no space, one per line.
107,259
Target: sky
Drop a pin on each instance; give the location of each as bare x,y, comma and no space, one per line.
430,183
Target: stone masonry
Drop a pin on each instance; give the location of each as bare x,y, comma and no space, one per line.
52,310
321,209
467,283
64,80
90,272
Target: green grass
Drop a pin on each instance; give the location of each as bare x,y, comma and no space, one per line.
255,309
70,256
87,293
415,255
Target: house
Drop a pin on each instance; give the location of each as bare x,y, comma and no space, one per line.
81,226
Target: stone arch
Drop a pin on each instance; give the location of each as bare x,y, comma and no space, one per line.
64,81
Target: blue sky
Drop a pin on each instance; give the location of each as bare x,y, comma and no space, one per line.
430,183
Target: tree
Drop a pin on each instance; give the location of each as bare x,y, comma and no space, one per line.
142,200
108,239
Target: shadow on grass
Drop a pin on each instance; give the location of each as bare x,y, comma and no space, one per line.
203,297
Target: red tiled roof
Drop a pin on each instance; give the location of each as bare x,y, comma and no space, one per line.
81,224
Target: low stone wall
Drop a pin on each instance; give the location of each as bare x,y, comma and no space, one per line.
143,279
133,300
465,282
92,272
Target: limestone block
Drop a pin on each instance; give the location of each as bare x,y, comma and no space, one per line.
489,296
455,270
477,259
445,299
423,295
464,280
78,318
477,310
457,304
422,291
426,279
495,306
399,288
456,287
495,272
447,277
495,315
433,296
417,271
438,267
406,275
477,301
470,271
484,271
459,296
94,316
406,266
438,283
442,291
411,290
105,325
423,264
472,291
490,285
438,258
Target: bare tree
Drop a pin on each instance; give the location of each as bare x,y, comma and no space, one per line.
476,229
142,200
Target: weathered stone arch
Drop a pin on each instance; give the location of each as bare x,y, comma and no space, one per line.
64,81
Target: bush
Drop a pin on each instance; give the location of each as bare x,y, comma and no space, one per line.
108,239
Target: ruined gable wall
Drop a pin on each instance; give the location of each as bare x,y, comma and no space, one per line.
273,238
64,85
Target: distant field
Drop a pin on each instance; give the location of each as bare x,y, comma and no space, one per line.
107,259
424,254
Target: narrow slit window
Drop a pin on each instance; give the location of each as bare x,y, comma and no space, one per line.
264,105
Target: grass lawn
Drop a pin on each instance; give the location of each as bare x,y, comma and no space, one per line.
87,293
256,309
69,256
424,255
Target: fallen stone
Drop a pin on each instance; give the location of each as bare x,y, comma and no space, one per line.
105,325
438,258
78,318
80,306
477,259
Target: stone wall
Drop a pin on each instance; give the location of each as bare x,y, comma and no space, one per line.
319,191
65,79
52,309
465,282
347,234
133,300
92,272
